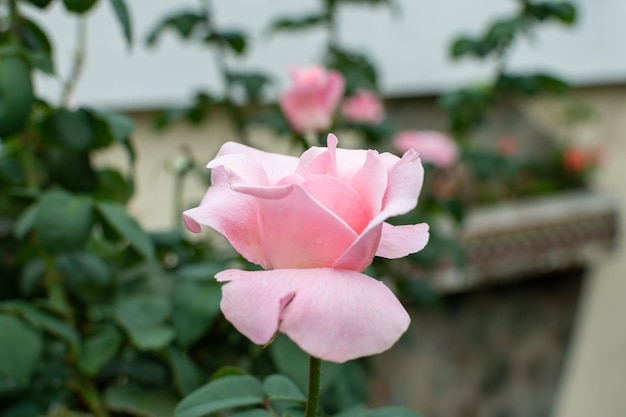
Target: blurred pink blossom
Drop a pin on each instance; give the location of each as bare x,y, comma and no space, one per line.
314,224
363,107
432,146
312,99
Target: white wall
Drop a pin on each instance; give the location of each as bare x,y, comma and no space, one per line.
410,47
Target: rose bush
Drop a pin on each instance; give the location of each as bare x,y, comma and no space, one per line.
314,223
310,103
432,146
363,107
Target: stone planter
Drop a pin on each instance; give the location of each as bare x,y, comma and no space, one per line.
531,237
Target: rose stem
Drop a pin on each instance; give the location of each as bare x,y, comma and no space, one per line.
315,370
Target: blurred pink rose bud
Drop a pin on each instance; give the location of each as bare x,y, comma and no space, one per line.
315,224
363,107
432,146
311,101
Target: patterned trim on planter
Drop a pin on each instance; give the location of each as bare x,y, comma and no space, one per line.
530,237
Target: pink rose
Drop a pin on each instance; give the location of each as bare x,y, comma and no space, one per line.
363,107
434,147
314,224
313,98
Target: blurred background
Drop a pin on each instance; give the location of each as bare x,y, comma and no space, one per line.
516,302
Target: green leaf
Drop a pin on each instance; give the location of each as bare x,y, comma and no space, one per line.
23,409
38,45
500,35
63,222
236,41
72,129
120,126
225,371
98,349
49,323
115,215
123,17
196,305
258,412
200,271
358,70
463,46
280,388
252,83
565,12
20,350
79,6
136,401
86,275
291,24
183,23
113,186
142,316
11,171
26,221
223,394
186,375
31,276
16,95
71,170
201,106
42,4
291,361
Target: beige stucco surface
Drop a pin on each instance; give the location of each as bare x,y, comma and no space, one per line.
594,381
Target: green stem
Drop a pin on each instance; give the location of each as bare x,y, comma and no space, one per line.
219,54
178,199
315,370
90,395
14,21
78,62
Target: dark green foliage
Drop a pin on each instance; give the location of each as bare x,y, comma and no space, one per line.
16,95
298,23
120,9
183,23
467,108
79,6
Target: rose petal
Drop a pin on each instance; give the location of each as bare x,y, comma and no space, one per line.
362,251
241,169
335,315
334,89
324,163
400,241
339,198
405,182
370,182
274,165
232,214
298,232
